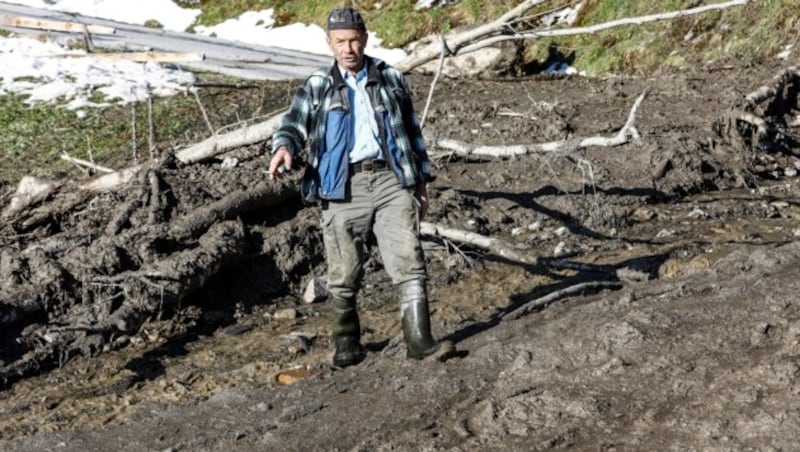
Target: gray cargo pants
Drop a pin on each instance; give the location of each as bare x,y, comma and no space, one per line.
378,203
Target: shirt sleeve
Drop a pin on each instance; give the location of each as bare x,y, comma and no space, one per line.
415,133
296,122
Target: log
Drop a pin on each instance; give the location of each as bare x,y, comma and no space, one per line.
220,143
55,25
158,57
263,196
453,42
503,29
30,191
207,149
507,250
165,282
495,246
623,136
111,180
639,20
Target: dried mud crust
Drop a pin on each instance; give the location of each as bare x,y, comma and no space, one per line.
696,350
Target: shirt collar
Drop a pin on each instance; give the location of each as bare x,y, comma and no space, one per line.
361,74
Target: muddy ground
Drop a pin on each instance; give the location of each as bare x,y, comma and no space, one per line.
698,348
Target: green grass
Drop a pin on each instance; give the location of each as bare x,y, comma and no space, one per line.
34,137
753,33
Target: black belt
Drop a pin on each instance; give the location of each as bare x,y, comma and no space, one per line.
369,166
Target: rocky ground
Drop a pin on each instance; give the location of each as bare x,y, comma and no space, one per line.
692,345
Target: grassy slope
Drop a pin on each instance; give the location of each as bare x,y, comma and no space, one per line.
32,138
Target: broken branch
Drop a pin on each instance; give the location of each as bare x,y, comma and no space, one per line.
623,136
540,302
493,245
86,164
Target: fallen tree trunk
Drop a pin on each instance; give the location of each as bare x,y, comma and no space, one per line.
503,29
30,190
207,149
221,143
508,251
452,42
164,283
144,293
261,197
639,20
495,246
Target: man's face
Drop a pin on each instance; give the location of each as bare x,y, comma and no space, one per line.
348,48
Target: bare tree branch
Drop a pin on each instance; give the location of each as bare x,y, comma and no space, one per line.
540,302
623,136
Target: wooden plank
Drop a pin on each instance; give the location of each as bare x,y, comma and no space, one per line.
167,57
54,25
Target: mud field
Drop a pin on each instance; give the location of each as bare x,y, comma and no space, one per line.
684,337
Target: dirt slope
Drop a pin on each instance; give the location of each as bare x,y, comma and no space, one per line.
697,350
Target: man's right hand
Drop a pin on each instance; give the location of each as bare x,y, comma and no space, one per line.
280,163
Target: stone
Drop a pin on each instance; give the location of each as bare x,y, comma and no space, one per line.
285,314
229,162
291,376
316,291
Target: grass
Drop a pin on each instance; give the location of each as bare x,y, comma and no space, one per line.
753,33
33,138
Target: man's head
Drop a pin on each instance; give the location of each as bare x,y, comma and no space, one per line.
347,37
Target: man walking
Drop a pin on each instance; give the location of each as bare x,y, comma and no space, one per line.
368,166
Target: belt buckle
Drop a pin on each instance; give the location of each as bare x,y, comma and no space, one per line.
368,166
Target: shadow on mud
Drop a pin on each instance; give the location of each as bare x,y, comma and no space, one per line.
644,268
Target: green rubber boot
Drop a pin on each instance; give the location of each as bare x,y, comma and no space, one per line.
415,315
346,333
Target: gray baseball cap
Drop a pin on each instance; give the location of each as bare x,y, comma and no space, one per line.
346,19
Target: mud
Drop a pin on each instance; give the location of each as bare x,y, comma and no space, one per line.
697,350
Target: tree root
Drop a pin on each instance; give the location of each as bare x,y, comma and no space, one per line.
759,126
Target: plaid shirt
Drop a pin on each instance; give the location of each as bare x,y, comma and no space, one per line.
305,122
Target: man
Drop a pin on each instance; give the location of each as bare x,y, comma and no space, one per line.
368,166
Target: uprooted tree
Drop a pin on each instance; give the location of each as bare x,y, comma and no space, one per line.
763,128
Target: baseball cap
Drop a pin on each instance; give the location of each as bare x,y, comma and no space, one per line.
346,19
